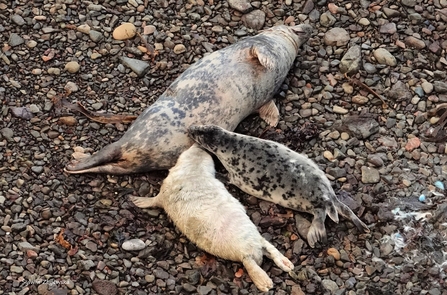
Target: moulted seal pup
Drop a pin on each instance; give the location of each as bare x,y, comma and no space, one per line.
273,172
222,89
202,208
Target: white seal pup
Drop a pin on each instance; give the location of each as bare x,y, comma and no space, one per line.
202,208
273,172
222,89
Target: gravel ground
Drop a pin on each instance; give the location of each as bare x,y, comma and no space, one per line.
67,234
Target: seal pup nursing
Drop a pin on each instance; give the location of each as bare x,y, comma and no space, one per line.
222,88
202,208
273,172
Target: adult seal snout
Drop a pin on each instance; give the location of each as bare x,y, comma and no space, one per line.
273,172
221,89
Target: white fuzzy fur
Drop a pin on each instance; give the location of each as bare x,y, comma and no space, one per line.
202,208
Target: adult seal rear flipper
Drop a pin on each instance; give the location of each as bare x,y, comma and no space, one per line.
107,160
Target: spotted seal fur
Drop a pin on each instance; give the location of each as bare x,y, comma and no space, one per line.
222,89
273,172
202,208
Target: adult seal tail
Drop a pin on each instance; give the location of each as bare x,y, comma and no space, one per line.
271,171
221,89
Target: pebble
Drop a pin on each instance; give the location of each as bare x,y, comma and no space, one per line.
350,63
370,175
384,57
179,49
329,285
71,87
31,43
414,42
339,110
243,6
95,36
103,287
139,67
364,21
254,20
440,87
72,67
133,245
427,87
334,253
360,100
149,30
336,37
84,28
15,40
327,19
388,28
412,143
18,20
124,31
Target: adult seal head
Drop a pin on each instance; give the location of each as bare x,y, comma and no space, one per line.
273,172
221,89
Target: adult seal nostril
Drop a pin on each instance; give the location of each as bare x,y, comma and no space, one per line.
222,89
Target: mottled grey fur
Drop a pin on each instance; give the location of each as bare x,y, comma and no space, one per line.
273,172
222,88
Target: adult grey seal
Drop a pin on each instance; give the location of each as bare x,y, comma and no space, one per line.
222,89
273,172
202,208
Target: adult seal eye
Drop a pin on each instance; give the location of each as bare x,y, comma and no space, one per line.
275,173
221,89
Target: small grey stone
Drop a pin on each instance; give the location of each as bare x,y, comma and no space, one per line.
308,6
327,19
94,7
336,37
23,246
384,57
37,169
139,67
18,20
409,3
254,20
133,245
243,6
370,175
95,36
86,264
400,92
16,269
7,133
15,40
388,28
390,12
440,87
161,274
329,285
350,63
18,227
204,290
427,87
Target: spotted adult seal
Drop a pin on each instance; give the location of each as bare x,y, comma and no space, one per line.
273,172
222,89
202,208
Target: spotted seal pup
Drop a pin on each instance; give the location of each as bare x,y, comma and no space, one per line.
222,89
273,172
202,208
